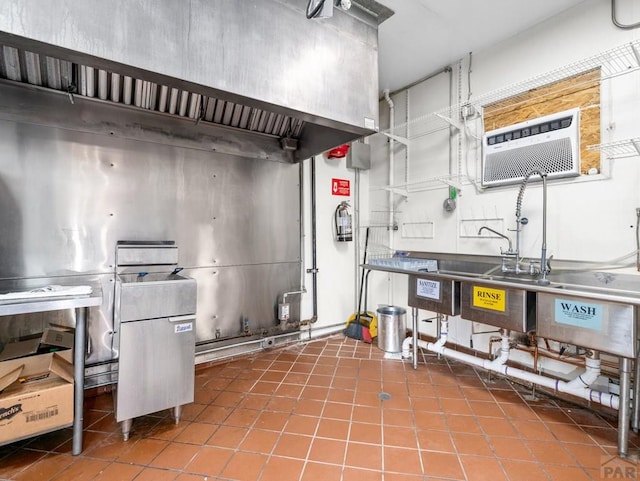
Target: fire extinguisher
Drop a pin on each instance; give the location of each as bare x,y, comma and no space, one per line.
342,218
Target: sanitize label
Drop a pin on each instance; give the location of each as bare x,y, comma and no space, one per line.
186,327
429,289
579,314
492,299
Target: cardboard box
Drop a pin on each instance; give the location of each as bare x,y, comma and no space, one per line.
57,337
21,348
38,396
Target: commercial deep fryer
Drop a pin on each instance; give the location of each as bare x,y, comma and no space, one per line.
155,311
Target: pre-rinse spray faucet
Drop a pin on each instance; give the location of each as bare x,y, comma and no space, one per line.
514,266
520,221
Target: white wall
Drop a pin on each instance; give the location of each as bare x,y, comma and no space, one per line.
336,260
589,218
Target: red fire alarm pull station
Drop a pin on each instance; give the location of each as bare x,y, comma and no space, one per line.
341,187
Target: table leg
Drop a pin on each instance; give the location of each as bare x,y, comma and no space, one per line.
79,348
635,413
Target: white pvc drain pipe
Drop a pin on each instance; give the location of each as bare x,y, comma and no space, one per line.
578,386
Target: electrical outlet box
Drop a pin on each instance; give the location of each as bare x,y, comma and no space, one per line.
468,112
359,156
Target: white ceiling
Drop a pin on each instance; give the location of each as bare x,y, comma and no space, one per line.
423,36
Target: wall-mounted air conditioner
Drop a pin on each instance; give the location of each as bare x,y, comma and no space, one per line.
550,143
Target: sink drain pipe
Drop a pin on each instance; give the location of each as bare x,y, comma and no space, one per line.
578,386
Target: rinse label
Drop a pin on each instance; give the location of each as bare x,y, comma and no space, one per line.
429,289
487,298
579,314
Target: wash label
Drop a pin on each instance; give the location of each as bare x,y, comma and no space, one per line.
579,314
428,288
492,299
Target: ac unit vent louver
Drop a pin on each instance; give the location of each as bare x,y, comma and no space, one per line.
549,143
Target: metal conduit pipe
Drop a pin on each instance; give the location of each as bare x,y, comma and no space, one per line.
303,288
578,386
241,344
314,251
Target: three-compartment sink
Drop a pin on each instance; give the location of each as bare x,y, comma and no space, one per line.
592,309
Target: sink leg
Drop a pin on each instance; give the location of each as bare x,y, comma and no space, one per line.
177,412
126,428
414,318
635,419
438,331
623,413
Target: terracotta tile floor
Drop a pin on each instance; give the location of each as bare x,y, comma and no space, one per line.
314,412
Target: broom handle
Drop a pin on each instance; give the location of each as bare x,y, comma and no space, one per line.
364,261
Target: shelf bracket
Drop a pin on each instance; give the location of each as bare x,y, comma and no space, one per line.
402,193
451,122
402,140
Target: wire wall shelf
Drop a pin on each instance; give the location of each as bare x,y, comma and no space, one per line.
617,61
428,184
381,225
619,149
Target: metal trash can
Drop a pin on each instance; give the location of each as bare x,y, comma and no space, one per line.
391,331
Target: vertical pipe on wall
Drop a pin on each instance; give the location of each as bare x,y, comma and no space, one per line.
392,119
314,252
407,150
452,129
356,235
303,287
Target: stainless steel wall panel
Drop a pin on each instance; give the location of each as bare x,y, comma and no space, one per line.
69,196
232,299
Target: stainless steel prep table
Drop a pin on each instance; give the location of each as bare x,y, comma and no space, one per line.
81,304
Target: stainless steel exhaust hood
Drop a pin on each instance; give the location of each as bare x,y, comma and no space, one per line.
248,67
